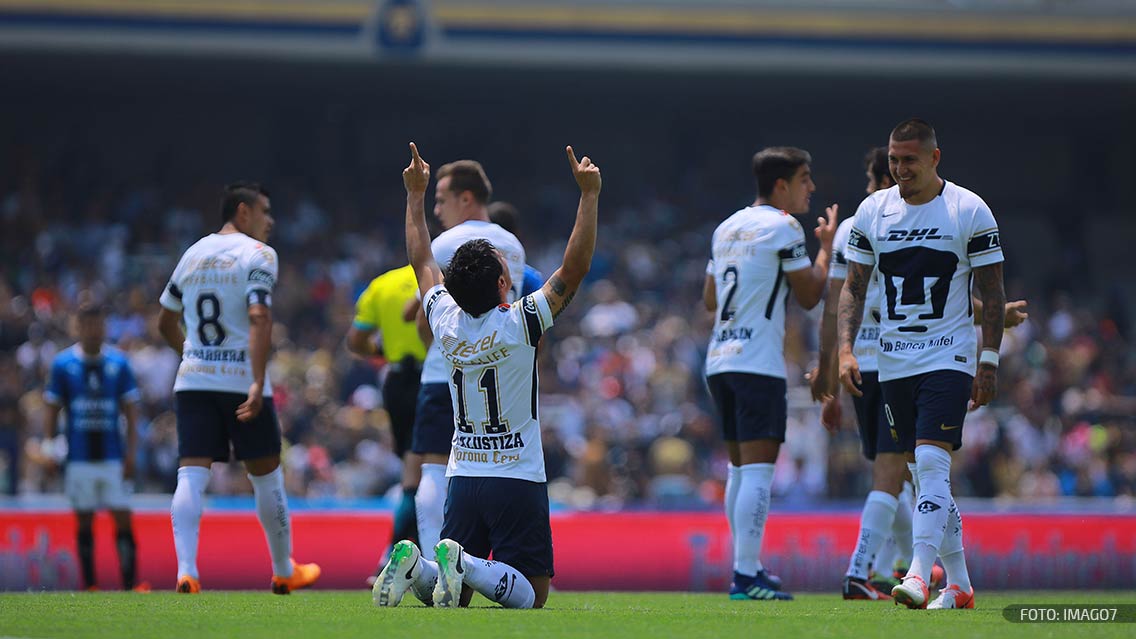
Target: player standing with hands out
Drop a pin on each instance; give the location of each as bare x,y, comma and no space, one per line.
498,496
928,239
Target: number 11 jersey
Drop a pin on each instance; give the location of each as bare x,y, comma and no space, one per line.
213,285
491,361
924,256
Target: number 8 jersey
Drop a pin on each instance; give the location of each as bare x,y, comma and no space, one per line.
493,384
213,285
750,253
924,256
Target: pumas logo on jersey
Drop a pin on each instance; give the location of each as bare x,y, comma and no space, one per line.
914,235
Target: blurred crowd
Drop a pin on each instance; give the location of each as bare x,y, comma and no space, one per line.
626,418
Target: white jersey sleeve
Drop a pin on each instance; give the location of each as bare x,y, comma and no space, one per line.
985,245
262,268
171,298
838,268
859,248
793,254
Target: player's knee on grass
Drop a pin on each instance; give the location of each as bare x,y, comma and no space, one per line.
540,586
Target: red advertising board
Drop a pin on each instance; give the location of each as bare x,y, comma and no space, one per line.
620,551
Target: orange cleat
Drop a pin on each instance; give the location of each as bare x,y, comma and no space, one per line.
911,593
938,577
142,587
952,597
303,575
188,585
91,589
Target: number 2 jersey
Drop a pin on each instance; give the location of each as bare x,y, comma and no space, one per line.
213,285
924,256
751,252
491,361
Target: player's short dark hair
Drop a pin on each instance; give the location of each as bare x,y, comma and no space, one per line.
90,310
876,162
915,129
467,175
239,193
505,215
472,277
777,163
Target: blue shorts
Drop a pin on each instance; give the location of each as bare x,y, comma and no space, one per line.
207,425
508,517
750,406
928,406
876,436
433,420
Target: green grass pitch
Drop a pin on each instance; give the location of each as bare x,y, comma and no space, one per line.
335,614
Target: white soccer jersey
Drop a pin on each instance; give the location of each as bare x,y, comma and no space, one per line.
867,341
434,369
751,252
491,366
923,257
213,286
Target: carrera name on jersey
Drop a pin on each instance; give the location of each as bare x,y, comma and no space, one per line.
867,340
924,256
750,253
493,384
214,284
434,368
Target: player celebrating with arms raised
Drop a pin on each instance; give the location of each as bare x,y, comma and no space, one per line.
498,499
927,238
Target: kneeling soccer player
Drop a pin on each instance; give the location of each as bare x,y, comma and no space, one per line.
498,498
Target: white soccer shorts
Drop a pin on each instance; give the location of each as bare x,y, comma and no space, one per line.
97,485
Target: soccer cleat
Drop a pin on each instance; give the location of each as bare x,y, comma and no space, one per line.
952,597
938,577
911,593
447,592
758,588
862,589
142,587
303,575
398,575
188,585
773,580
883,582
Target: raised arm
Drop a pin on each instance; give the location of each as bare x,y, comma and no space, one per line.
416,177
988,280
849,316
808,284
562,286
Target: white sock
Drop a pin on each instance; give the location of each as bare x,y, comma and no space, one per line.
954,562
875,524
733,483
750,513
423,586
498,582
430,506
914,470
929,522
272,510
185,513
901,526
885,556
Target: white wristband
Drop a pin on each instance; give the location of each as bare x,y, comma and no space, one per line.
989,357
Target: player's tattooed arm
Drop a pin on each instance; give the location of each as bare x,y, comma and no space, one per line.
561,287
988,281
849,316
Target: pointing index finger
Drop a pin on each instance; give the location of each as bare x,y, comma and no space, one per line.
572,158
414,152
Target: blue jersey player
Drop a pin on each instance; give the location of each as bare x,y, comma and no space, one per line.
93,384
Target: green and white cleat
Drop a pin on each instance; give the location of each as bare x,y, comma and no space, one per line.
398,575
447,592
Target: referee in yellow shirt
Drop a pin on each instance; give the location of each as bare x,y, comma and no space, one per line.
380,309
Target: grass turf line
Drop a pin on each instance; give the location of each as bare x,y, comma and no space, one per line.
336,614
